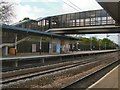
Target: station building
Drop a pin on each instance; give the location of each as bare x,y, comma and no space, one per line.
22,40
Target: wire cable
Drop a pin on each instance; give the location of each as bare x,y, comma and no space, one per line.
71,6
74,5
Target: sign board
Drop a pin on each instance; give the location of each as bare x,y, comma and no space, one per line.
50,45
58,48
33,47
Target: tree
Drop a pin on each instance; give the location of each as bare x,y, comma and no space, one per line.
26,18
107,43
95,43
6,12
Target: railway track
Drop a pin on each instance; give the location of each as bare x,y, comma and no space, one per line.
9,79
24,76
43,68
23,64
38,64
87,80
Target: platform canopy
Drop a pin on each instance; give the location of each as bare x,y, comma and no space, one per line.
10,28
112,7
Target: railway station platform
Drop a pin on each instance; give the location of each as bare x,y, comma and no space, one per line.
22,55
19,60
110,81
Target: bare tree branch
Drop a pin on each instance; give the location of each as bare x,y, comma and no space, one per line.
6,12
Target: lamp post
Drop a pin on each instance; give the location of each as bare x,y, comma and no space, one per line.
106,42
99,44
90,43
118,39
105,45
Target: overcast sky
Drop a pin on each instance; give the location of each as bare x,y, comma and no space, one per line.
41,8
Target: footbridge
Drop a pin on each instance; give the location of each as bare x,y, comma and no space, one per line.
86,22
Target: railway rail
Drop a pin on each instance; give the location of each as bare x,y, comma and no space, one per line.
47,67
23,76
7,78
16,63
28,66
87,80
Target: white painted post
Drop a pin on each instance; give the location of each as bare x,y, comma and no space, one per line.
60,58
6,50
43,60
40,44
15,43
16,63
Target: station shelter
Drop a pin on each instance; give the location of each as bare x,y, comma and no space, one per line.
21,40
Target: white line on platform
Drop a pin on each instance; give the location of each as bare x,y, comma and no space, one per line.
102,78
